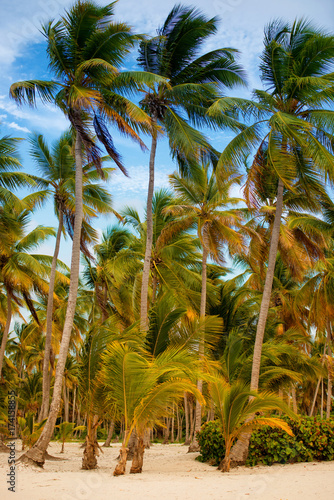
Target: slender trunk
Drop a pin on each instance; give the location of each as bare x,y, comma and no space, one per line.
318,385
239,451
187,441
172,427
165,441
110,434
149,237
329,367
37,452
294,398
198,413
74,401
267,290
6,330
48,335
191,419
322,399
66,405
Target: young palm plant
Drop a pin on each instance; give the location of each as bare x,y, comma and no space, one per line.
234,408
143,390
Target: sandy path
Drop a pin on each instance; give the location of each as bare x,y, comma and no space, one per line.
169,473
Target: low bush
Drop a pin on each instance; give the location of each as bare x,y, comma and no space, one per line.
313,440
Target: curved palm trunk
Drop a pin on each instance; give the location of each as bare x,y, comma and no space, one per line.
149,237
239,451
121,466
48,335
110,434
318,385
38,451
6,330
198,412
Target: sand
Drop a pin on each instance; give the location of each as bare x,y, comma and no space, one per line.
169,473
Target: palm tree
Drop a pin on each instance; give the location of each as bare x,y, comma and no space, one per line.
292,133
174,255
21,273
201,203
84,49
233,408
193,82
66,430
58,169
143,390
317,291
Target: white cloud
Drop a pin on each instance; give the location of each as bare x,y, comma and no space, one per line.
17,127
43,117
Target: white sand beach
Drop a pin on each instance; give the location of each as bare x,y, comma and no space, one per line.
169,473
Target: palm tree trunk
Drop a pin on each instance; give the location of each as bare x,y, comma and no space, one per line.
110,433
239,451
48,335
318,385
91,451
138,457
198,412
267,289
74,401
294,399
6,330
329,367
66,405
37,452
322,399
149,237
186,414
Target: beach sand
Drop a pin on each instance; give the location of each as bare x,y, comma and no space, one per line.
169,473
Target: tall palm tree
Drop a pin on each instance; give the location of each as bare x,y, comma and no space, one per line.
58,169
318,292
194,81
292,132
201,203
85,49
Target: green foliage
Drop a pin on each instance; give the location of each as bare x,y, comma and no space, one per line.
313,439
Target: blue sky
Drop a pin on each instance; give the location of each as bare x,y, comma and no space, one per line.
23,56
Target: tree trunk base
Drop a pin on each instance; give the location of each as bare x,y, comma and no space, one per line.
47,456
225,464
3,447
239,452
34,456
138,457
121,466
91,451
194,447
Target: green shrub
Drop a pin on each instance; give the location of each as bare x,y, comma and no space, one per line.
313,440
